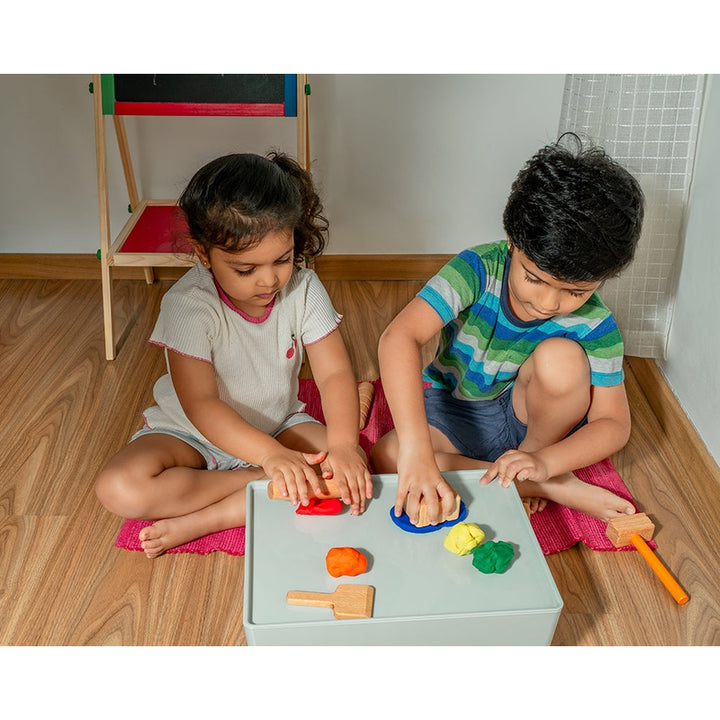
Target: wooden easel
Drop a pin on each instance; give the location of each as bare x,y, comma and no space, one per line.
144,240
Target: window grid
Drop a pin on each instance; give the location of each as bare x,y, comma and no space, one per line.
649,124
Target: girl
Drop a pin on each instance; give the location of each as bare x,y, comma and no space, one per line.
234,328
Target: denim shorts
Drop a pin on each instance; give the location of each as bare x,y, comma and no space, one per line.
479,429
215,458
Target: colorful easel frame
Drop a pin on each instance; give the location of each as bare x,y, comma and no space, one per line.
146,240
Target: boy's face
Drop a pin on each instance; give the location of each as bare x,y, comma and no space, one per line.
535,295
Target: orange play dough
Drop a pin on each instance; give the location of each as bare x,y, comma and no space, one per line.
345,561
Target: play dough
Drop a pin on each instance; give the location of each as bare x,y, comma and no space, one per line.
463,537
317,506
345,561
493,557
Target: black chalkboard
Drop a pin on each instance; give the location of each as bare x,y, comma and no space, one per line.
199,94
200,88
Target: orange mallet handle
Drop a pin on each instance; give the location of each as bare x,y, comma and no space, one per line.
680,596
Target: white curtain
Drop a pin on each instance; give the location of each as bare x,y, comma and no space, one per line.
649,124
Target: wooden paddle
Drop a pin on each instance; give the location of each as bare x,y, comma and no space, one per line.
346,601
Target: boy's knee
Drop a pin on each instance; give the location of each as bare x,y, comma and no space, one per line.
383,455
560,366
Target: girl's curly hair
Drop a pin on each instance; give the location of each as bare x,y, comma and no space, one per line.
235,200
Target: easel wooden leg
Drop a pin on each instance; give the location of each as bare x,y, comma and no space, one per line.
303,130
104,213
108,311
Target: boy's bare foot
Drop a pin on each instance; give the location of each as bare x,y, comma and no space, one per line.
534,504
572,492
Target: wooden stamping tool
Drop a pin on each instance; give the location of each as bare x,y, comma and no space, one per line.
347,601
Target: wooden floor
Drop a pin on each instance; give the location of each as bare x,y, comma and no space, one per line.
65,410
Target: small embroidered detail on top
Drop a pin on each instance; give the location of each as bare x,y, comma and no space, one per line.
291,351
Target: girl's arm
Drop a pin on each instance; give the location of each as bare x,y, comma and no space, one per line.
335,380
607,431
196,388
399,353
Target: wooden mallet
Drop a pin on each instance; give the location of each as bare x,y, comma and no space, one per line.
636,529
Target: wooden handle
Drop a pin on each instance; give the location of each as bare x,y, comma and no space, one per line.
311,599
680,596
366,391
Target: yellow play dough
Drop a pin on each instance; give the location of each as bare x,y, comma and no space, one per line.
463,537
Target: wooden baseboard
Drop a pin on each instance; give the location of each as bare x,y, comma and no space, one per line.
379,267
75,266
670,414
55,266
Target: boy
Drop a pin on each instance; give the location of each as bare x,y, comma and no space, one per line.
527,380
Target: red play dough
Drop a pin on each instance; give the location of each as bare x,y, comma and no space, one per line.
316,506
345,561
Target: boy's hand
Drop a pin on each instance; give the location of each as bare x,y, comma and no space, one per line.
347,465
292,471
516,465
423,482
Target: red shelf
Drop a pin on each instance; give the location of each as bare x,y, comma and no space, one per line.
159,229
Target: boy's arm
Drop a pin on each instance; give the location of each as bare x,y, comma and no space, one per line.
607,431
401,371
335,380
196,388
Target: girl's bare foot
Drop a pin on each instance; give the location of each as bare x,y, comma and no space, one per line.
169,533
572,492
166,534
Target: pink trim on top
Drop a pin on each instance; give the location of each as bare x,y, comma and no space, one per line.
245,316
337,325
167,347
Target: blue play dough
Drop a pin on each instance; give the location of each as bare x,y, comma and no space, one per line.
404,523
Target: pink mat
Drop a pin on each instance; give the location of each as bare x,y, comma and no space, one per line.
557,528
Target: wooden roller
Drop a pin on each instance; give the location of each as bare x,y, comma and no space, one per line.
636,529
330,490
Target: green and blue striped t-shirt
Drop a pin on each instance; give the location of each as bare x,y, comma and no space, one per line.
483,344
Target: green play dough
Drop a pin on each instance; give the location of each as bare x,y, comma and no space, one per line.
493,557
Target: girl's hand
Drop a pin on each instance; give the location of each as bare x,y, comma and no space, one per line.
516,465
423,481
347,465
292,471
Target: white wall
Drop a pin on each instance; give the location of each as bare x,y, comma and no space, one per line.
424,163
691,367
406,163
48,191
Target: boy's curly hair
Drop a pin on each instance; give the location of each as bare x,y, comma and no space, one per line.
575,212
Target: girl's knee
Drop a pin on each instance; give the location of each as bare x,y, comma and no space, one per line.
120,493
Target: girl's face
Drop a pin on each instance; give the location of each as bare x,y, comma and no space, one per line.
535,295
252,278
